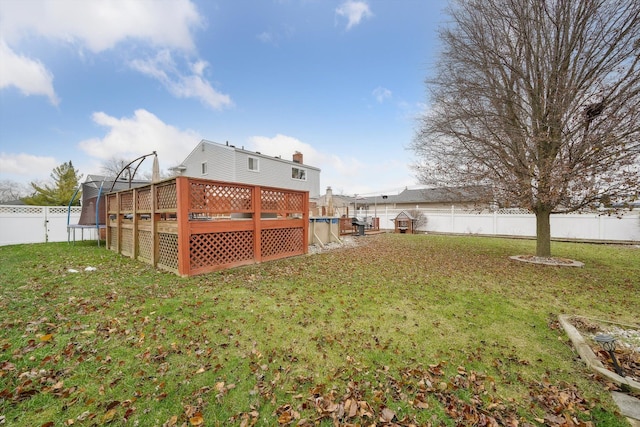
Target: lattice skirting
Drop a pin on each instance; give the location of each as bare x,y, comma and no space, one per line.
113,238
168,251
221,249
145,245
281,241
126,243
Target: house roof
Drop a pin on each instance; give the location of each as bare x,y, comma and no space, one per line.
240,150
433,195
338,200
404,214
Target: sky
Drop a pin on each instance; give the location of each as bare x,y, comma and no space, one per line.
340,81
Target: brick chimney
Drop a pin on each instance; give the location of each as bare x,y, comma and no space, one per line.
297,157
329,201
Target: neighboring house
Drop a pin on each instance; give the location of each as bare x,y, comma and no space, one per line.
225,162
334,205
432,198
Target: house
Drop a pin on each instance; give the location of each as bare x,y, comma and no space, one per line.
432,198
225,162
333,205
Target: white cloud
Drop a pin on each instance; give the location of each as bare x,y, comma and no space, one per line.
164,69
285,146
26,165
381,94
336,170
274,36
28,75
101,25
131,137
354,11
349,167
266,37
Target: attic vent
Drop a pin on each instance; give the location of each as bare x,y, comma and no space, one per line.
203,148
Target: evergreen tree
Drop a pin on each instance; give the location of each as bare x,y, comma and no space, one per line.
65,181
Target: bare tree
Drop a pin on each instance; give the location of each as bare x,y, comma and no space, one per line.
420,220
113,166
539,99
11,191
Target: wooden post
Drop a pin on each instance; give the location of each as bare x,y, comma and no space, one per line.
305,219
256,206
107,231
119,225
134,231
155,245
183,200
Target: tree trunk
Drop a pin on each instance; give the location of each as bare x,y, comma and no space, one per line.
543,232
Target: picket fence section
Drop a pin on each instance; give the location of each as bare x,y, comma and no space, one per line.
39,224
521,223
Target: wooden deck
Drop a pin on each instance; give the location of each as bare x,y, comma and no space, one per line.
192,226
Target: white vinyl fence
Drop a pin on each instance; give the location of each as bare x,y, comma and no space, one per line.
579,226
39,224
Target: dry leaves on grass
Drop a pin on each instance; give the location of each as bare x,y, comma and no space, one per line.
468,398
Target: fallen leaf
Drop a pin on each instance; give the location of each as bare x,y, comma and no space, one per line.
108,417
387,415
196,420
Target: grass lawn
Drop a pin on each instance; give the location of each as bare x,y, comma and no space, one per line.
411,330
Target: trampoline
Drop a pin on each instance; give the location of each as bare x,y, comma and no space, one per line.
93,214
92,202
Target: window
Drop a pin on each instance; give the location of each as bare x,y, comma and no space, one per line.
204,168
297,173
253,164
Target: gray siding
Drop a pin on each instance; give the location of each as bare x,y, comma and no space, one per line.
220,162
227,163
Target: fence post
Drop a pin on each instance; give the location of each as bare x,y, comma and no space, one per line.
305,222
453,219
183,201
135,232
599,226
257,224
155,240
46,221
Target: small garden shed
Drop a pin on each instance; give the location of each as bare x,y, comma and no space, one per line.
192,226
405,223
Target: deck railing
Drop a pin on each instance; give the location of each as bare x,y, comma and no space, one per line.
193,226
